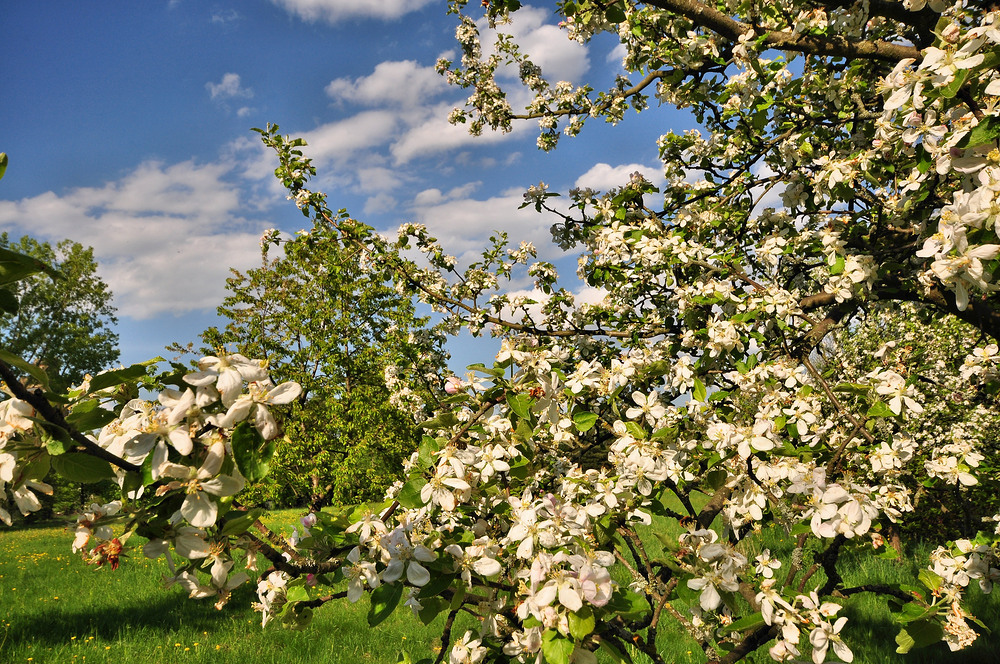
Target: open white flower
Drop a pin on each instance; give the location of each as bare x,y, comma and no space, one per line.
200,510
261,395
227,375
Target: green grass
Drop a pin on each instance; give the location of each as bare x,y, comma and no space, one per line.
54,608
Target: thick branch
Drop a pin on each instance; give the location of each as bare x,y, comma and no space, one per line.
53,415
714,506
833,46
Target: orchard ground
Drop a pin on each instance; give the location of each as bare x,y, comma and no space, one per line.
54,608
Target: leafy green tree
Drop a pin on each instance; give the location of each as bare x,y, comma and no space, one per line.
65,324
63,321
327,318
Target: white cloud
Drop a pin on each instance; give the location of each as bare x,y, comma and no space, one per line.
164,236
379,179
333,11
335,141
225,17
434,134
228,88
548,46
380,203
617,54
394,83
603,176
464,225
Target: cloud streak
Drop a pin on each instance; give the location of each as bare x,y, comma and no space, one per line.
230,87
164,236
335,11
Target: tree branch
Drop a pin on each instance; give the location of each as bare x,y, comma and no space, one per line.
53,415
833,46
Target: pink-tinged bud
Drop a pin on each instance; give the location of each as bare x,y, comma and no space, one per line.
453,385
308,521
311,580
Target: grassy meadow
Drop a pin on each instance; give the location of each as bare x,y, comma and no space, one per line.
54,608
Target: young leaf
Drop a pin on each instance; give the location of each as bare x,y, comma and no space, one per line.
83,468
385,598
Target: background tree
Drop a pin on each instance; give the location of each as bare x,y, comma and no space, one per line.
65,324
957,413
328,318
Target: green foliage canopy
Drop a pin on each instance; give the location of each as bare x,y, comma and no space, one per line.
67,323
329,319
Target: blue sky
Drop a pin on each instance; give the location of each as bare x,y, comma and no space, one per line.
127,126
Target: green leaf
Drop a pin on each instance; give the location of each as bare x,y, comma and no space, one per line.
297,594
520,404
251,452
913,611
83,468
8,301
3,164
240,524
88,415
955,85
54,446
985,132
432,607
930,579
15,266
118,376
747,622
879,409
852,388
838,266
409,495
614,14
556,648
581,623
30,369
385,599
617,656
584,420
436,586
699,390
717,478
918,634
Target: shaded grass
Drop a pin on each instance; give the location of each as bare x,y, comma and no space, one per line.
54,608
